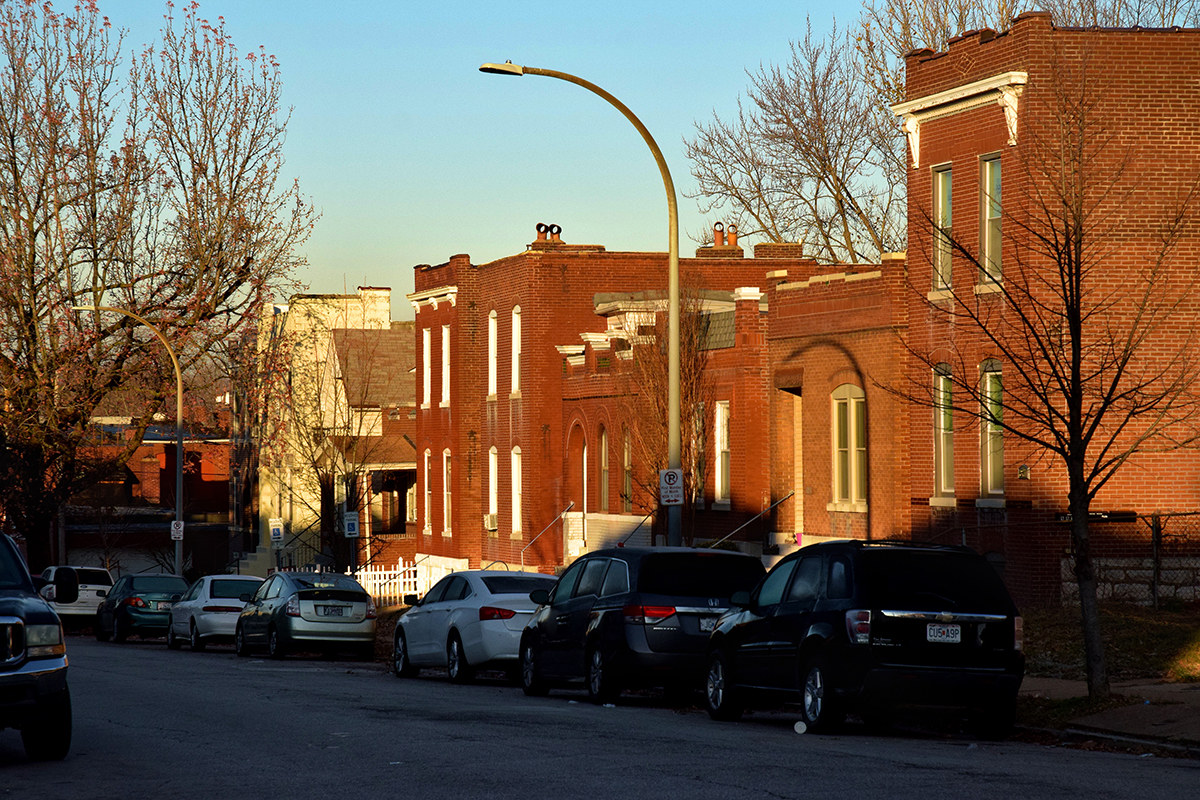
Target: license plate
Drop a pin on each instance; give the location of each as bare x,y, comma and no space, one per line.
951,634
707,624
165,606
332,611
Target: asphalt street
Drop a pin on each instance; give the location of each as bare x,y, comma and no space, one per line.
151,723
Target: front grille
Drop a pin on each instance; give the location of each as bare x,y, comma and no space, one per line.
12,640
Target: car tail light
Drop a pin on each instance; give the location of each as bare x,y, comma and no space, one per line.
234,609
647,615
370,608
1018,633
858,625
293,606
491,612
136,602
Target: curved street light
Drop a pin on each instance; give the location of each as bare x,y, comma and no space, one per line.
178,421
674,513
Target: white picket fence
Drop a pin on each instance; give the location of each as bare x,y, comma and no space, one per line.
388,585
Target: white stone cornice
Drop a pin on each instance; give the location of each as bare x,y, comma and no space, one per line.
598,341
433,297
1003,89
570,349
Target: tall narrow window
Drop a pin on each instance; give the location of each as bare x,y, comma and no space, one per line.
492,354
992,430
943,221
516,349
445,365
699,470
493,481
943,442
849,445
516,490
426,367
603,469
990,236
447,505
427,506
721,442
627,473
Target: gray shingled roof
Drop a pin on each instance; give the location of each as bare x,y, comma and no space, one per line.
377,365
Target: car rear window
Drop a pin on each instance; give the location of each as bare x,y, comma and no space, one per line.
716,574
518,584
932,580
94,577
326,580
233,588
154,583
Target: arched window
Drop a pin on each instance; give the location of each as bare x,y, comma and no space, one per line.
427,506
492,338
849,447
516,349
603,469
516,490
447,505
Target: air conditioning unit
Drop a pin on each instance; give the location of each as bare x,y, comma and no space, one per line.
490,522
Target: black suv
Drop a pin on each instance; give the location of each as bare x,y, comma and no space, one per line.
33,656
873,627
631,617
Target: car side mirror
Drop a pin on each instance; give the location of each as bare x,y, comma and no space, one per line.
411,600
740,599
540,596
66,585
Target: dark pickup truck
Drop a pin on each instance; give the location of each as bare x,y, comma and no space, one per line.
33,657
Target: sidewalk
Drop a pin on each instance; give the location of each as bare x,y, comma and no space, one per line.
1167,712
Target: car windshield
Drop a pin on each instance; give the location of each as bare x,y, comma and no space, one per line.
12,571
325,580
94,577
932,580
233,588
159,583
715,574
518,584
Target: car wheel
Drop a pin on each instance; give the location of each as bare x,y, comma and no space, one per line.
456,660
119,634
994,722
275,647
721,697
532,682
602,685
173,642
47,734
819,707
101,634
239,642
400,663
196,642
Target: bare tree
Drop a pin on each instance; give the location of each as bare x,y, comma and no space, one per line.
158,191
1098,279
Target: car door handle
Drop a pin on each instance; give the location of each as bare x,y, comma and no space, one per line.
562,619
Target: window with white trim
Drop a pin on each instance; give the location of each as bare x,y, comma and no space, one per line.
992,430
516,490
943,221
721,446
943,432
603,469
427,506
849,445
445,365
426,367
516,349
447,505
492,339
990,232
493,481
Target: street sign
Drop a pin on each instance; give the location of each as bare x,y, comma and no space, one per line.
351,525
670,487
276,526
177,530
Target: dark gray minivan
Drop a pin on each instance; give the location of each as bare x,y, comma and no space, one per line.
631,617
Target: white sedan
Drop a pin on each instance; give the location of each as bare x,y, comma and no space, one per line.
209,610
469,620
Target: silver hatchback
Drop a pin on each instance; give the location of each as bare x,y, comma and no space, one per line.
307,611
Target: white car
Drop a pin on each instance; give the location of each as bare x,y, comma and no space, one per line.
208,610
469,620
94,584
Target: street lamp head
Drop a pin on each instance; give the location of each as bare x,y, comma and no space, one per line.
507,68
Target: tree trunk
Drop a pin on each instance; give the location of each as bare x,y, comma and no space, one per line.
1085,576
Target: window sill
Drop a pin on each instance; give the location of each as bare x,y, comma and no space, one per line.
515,535
988,287
515,395
853,508
446,534
424,406
491,398
938,295
990,502
720,505
427,532
444,404
943,502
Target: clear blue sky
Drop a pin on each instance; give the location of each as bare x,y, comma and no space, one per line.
412,155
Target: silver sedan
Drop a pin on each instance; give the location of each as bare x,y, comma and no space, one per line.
469,620
209,610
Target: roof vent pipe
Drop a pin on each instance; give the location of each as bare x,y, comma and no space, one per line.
732,235
541,231
718,235
555,230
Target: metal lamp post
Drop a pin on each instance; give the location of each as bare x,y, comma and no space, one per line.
178,422
674,512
